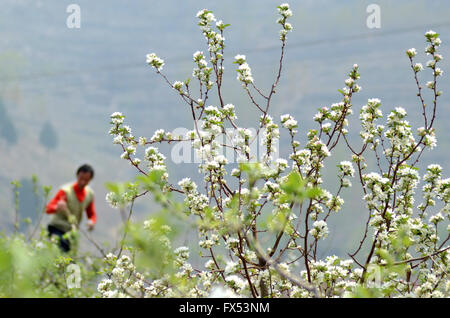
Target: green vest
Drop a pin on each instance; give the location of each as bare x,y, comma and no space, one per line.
75,207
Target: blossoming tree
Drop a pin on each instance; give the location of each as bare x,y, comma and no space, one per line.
254,255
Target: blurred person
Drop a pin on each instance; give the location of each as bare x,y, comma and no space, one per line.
68,205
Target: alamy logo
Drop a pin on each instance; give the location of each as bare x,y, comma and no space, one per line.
374,275
74,19
73,279
374,19
227,146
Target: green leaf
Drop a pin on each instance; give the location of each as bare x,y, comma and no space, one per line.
295,188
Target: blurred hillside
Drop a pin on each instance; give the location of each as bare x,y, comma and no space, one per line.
66,82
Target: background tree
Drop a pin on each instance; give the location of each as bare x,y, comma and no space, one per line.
48,136
7,128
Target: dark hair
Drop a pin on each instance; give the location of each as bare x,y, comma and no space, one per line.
86,168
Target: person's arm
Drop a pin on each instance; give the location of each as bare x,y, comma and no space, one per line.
91,214
52,206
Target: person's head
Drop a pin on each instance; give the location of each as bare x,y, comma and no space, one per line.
85,174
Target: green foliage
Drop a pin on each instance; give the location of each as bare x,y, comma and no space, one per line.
295,189
33,265
37,268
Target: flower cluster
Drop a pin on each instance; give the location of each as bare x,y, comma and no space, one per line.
119,199
379,187
155,61
270,138
124,280
244,72
195,201
206,18
216,40
319,230
155,159
241,140
202,72
399,134
368,115
333,275
346,167
285,13
289,122
346,170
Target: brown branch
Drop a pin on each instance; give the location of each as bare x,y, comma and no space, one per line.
270,262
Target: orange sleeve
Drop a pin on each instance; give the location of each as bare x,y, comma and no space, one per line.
51,206
90,211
